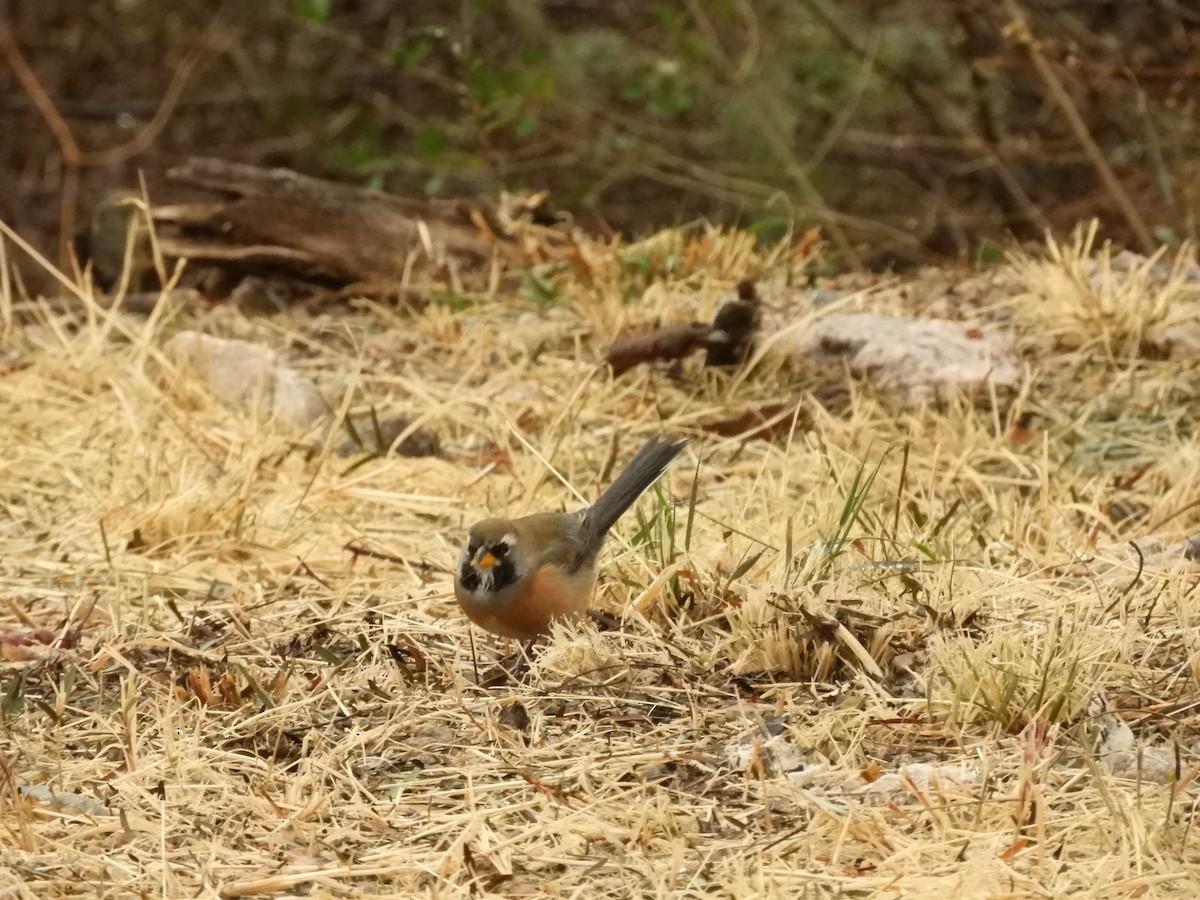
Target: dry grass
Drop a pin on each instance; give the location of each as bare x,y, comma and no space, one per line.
1088,300
857,659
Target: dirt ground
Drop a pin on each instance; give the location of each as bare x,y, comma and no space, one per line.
891,643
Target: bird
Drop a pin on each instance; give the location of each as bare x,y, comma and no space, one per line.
517,576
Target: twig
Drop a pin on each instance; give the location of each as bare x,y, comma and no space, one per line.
356,550
1021,34
162,115
935,109
68,146
674,342
796,172
74,158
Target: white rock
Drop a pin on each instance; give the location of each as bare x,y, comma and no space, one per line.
68,801
921,777
914,356
249,375
774,752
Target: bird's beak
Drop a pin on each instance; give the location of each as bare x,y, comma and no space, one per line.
487,561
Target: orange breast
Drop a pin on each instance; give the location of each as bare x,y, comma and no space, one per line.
547,594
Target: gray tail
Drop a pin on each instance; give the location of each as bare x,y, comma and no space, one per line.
643,470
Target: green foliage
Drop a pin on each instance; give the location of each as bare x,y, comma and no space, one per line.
662,90
1012,679
14,696
538,290
816,567
362,146
417,45
661,111
658,534
317,10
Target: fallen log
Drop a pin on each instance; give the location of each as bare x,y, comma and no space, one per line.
279,222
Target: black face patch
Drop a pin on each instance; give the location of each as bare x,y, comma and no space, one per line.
500,576
504,572
468,576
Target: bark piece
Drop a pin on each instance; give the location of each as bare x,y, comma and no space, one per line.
728,340
278,221
368,434
675,342
760,423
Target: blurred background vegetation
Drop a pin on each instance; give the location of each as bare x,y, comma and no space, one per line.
908,130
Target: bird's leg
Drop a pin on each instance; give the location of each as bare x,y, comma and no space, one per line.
513,664
474,658
521,659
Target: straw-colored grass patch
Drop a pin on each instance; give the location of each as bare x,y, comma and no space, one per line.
1083,297
859,658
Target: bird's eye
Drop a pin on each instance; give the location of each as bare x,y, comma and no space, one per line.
501,549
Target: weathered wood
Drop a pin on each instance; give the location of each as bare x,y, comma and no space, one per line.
280,221
728,340
673,342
